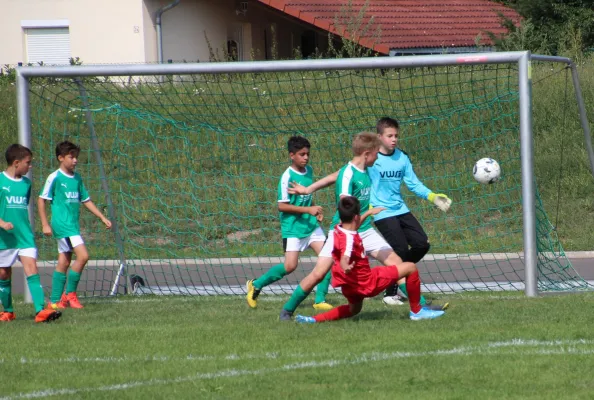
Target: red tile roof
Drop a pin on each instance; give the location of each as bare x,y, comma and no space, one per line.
407,24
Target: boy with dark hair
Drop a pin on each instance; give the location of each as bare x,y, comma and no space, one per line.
351,180
352,273
299,224
65,190
16,236
397,224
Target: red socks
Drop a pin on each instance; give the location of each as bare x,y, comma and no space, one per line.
334,314
413,287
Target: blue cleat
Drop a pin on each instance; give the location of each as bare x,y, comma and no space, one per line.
305,320
426,313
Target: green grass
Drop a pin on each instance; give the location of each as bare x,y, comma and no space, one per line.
491,346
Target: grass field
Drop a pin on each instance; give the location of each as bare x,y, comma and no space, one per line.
488,346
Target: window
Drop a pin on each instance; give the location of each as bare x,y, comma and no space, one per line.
308,43
47,41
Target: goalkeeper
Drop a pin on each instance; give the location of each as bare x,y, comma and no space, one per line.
397,224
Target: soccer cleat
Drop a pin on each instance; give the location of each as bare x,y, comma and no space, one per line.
7,316
285,315
302,319
73,300
323,306
252,294
61,304
426,313
393,300
47,315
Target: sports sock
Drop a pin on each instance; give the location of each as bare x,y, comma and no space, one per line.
73,279
413,287
296,298
275,273
36,290
340,312
322,288
6,295
402,288
58,283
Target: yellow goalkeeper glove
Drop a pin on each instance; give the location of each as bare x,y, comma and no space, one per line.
442,201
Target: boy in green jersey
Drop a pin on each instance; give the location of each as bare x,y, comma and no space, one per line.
299,224
16,235
352,180
65,190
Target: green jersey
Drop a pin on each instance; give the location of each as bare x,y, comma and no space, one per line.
355,182
296,225
66,192
14,203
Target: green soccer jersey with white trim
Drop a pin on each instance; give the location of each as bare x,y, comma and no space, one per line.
65,192
14,202
296,225
354,182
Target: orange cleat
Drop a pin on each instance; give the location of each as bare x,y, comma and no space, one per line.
7,316
62,304
73,300
47,315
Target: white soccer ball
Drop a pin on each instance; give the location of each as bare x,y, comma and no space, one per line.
486,171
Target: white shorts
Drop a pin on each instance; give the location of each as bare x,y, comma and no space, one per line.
301,244
67,244
9,256
372,241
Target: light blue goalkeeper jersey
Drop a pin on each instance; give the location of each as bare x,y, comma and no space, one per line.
387,175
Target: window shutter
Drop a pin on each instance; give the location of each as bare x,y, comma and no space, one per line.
50,45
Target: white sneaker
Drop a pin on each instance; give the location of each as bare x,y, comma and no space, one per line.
393,300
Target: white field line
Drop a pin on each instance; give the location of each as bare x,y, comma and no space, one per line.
269,356
535,347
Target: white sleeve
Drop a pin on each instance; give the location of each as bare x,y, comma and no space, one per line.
46,193
348,248
345,183
283,194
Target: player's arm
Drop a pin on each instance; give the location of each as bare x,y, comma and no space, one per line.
414,184
95,211
320,184
47,194
286,207
45,226
369,213
6,225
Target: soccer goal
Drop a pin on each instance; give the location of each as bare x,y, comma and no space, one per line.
185,159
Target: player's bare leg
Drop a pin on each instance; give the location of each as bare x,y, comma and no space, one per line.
322,267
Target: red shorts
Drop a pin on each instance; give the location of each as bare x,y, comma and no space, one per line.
381,279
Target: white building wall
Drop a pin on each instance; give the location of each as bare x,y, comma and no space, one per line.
101,31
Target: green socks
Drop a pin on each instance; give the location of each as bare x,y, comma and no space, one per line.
277,272
322,288
73,279
296,298
402,288
6,295
58,283
36,292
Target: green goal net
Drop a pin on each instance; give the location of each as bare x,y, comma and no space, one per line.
188,167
